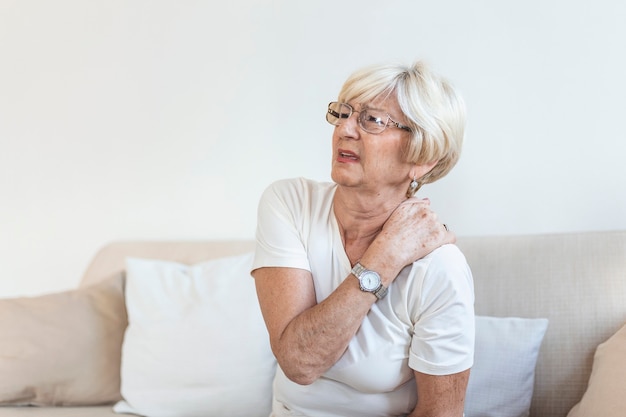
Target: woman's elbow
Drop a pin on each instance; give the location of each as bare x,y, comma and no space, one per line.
296,370
301,378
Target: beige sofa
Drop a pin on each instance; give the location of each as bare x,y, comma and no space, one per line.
576,280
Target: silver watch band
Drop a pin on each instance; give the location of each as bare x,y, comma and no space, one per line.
381,291
357,269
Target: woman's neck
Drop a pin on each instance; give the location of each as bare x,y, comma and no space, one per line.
361,218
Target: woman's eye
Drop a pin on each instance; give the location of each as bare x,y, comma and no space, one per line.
338,115
370,118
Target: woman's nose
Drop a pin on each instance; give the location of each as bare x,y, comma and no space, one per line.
350,127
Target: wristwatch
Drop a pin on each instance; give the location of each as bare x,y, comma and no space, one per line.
369,281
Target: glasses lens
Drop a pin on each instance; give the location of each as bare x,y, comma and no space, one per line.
336,112
373,121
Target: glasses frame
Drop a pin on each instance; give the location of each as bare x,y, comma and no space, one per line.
389,121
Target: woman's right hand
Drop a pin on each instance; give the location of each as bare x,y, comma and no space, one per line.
410,233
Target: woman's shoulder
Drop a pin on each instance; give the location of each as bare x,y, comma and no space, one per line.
447,260
444,271
300,187
446,253
448,263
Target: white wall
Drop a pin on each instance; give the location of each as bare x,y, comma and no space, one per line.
166,120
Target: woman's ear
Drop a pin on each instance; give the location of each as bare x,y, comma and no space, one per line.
420,171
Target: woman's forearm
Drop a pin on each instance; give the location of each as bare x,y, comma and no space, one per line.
315,339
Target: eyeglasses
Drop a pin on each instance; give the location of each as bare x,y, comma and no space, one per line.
371,121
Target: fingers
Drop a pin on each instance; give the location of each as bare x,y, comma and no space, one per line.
435,225
413,231
413,200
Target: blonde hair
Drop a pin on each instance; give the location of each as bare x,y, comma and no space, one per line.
434,110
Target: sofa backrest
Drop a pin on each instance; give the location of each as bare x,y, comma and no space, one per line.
576,280
110,260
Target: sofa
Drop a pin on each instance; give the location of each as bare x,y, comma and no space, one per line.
572,284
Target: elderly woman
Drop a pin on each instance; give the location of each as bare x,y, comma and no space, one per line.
368,304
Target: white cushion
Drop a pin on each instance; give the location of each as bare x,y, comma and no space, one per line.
196,343
502,379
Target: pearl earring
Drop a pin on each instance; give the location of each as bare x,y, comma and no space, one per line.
413,187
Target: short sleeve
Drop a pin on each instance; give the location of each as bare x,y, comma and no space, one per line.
443,317
279,237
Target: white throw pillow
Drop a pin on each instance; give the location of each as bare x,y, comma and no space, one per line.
502,379
196,343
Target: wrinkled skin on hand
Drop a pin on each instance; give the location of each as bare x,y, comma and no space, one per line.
410,233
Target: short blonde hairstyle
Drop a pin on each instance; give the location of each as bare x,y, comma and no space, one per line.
433,108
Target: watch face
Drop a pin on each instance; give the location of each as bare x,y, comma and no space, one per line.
370,280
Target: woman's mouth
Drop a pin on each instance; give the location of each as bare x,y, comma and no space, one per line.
347,155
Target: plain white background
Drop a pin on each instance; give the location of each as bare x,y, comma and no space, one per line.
166,119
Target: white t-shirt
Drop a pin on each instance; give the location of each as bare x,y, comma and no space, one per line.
425,323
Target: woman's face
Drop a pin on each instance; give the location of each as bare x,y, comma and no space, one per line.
372,162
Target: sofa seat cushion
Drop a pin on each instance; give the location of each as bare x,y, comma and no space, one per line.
90,411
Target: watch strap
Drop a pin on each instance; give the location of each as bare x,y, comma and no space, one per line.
381,291
358,269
